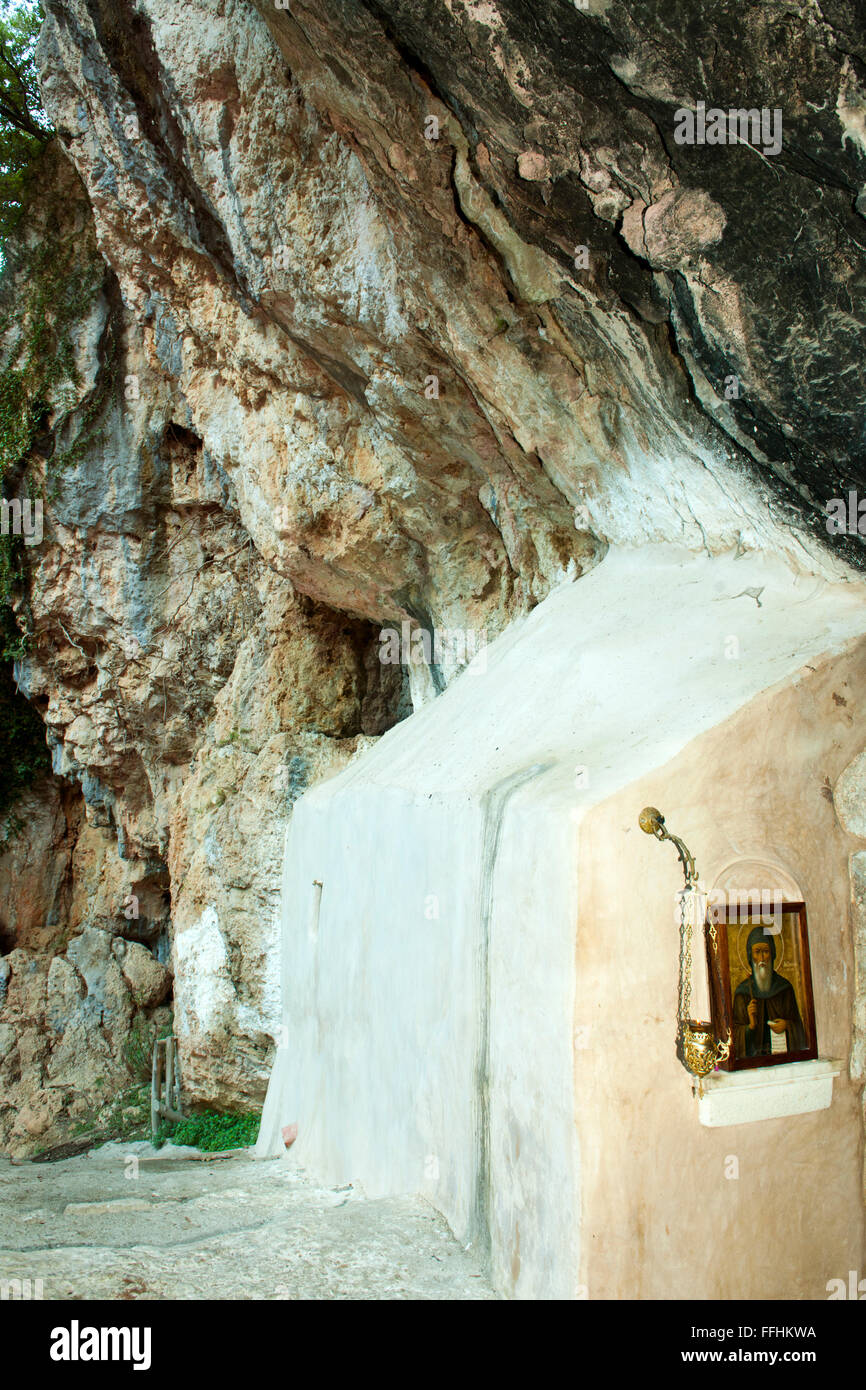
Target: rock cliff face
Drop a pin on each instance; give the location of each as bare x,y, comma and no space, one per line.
399,312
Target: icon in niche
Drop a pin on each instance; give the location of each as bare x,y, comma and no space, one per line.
765,994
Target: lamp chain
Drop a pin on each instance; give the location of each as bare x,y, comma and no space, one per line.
685,963
699,1050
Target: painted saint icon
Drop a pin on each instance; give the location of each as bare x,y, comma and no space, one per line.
766,1014
762,981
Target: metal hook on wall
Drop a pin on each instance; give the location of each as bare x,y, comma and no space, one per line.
653,823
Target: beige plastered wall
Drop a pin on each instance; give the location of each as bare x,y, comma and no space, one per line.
662,1217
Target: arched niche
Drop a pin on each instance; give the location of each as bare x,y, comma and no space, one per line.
765,875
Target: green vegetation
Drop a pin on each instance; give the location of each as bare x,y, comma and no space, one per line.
138,1045
164,1131
41,374
211,1131
56,273
49,277
24,134
24,127
127,1116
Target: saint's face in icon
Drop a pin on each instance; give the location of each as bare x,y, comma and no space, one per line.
765,1004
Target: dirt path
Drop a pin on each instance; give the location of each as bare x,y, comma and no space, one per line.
123,1223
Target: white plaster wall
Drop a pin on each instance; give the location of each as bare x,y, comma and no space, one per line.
436,1055
533,1199
382,1007
389,1064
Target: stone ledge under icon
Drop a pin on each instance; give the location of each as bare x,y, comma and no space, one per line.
740,1098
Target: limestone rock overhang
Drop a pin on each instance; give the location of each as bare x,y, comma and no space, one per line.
612,675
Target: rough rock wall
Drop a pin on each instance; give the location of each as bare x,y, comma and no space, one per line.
357,371
189,695
81,998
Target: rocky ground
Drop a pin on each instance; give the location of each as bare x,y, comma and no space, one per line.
127,1222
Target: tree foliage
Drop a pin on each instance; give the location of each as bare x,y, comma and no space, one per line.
24,127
